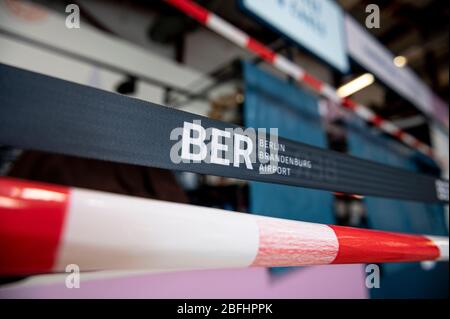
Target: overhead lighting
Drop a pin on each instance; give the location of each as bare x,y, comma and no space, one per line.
356,85
400,61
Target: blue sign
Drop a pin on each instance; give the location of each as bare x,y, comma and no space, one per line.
316,25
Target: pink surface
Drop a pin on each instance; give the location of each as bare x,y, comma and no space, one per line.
330,281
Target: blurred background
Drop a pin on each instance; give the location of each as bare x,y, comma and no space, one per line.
152,51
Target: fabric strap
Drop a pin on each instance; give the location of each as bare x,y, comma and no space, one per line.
39,112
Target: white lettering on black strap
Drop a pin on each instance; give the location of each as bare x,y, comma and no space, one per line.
442,190
67,118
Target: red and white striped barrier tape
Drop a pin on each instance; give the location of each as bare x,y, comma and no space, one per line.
284,65
44,228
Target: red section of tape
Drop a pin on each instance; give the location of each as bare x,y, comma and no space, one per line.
417,144
261,50
192,9
399,134
349,103
31,221
372,246
377,120
312,81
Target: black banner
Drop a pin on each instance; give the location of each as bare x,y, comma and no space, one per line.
43,113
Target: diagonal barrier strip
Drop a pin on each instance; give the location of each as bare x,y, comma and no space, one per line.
286,66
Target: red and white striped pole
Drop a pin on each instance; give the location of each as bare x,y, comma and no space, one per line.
284,65
44,228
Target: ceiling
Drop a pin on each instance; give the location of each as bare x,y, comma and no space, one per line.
416,29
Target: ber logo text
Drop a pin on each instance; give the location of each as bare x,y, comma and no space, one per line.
251,149
235,147
225,147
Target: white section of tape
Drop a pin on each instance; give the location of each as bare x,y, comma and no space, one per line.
227,30
408,139
107,231
389,127
329,92
288,67
424,148
442,244
364,112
